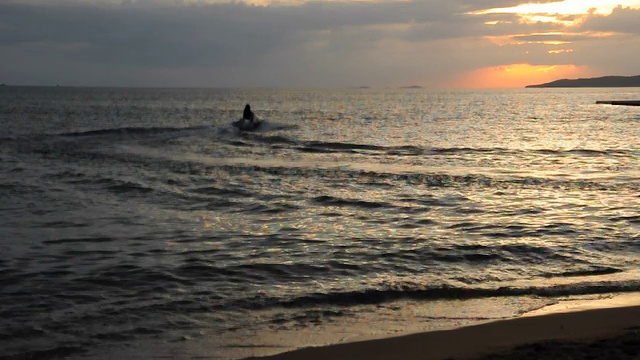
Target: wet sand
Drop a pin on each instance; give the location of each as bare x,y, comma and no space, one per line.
602,329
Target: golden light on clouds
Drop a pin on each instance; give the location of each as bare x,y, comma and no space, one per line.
551,38
517,75
566,7
566,13
524,39
532,19
559,51
564,16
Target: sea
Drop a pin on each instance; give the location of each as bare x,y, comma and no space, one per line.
138,223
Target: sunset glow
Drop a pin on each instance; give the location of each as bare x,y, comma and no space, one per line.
315,43
567,19
565,13
518,75
567,7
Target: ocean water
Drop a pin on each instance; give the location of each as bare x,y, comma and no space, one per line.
141,221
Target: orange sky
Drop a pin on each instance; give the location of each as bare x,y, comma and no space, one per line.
521,74
517,76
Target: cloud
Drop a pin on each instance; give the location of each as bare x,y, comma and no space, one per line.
621,20
316,43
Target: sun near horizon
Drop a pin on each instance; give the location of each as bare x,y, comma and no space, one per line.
516,76
563,18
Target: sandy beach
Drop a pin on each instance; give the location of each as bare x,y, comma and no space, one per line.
608,328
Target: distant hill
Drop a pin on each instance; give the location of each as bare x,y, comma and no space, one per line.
605,81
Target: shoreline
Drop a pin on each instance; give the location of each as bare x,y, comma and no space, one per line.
619,102
572,323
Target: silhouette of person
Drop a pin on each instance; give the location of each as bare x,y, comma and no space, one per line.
248,114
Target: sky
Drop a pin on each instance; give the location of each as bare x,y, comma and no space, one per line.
315,44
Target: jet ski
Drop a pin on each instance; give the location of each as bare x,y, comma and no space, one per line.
247,125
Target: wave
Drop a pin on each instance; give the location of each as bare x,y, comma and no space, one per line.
196,272
332,201
411,150
79,240
587,152
587,272
445,292
120,187
428,179
132,131
327,146
270,125
55,352
117,186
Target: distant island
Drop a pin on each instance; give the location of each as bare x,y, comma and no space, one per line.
411,87
605,81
